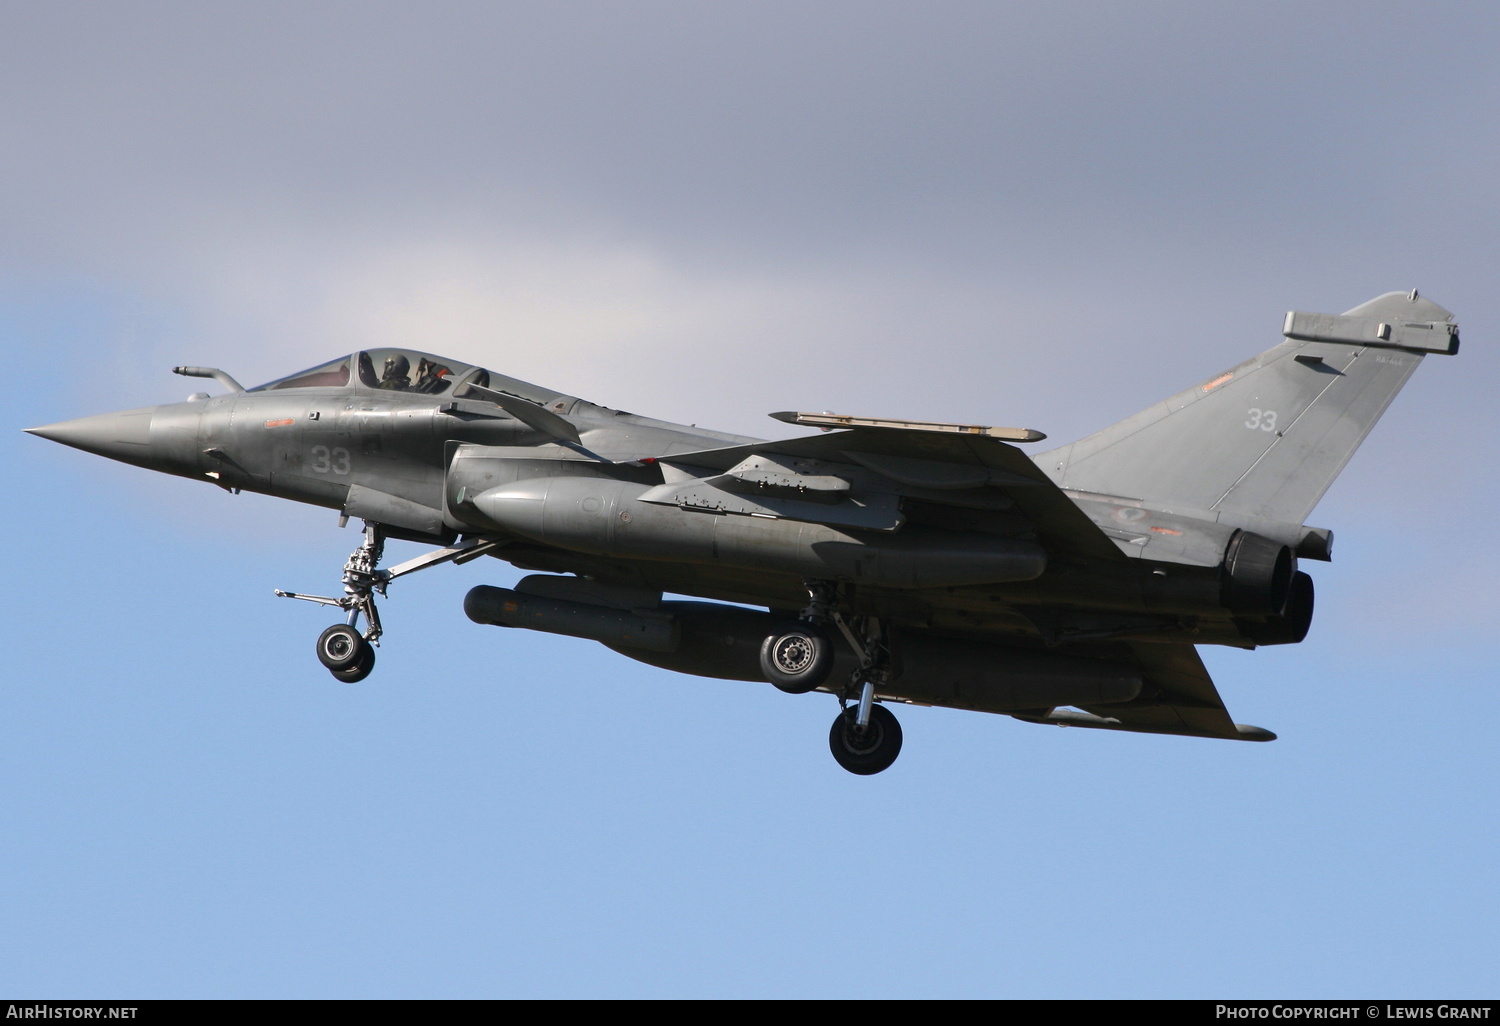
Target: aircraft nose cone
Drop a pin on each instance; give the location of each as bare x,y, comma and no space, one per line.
120,436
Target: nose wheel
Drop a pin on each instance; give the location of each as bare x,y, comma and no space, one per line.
347,652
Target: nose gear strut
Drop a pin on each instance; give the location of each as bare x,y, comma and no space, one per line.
347,653
362,579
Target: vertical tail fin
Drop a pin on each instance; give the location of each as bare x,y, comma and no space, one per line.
1267,438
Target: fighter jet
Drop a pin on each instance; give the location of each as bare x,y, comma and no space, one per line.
880,561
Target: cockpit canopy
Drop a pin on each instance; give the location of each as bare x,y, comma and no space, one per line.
388,370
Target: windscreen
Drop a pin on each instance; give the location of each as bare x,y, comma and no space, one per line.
389,370
333,374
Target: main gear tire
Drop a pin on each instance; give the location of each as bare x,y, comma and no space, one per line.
797,657
869,751
341,647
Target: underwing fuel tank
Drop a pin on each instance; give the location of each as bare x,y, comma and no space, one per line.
708,639
646,629
602,517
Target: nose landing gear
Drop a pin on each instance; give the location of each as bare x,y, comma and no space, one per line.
347,653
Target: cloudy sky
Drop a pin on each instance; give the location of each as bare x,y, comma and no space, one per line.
1040,215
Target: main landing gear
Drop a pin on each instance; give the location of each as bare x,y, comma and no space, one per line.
798,657
347,652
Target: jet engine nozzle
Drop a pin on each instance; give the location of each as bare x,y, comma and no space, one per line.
1258,575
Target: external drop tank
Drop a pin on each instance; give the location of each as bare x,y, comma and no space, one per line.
601,516
712,640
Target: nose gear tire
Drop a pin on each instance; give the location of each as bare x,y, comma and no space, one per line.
359,671
341,647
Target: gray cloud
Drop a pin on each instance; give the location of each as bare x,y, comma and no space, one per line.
1050,215
740,129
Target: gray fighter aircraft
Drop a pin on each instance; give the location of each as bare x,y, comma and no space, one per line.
895,561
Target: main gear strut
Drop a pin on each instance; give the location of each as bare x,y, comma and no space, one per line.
798,657
867,738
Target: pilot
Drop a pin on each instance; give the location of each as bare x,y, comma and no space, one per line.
395,376
431,377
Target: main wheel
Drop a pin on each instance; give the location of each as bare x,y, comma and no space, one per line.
868,752
360,670
796,657
340,647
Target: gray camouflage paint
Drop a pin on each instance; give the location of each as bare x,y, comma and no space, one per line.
1084,578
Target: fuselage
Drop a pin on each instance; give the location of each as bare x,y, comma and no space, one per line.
891,560
430,464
